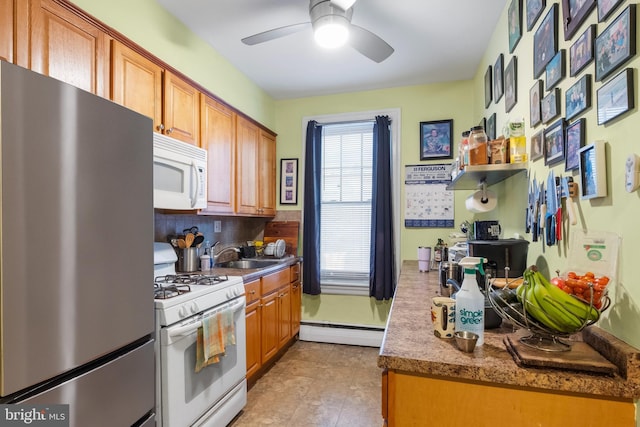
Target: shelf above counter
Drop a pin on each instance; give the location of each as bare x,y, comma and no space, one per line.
471,176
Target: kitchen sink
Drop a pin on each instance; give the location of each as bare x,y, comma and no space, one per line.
247,263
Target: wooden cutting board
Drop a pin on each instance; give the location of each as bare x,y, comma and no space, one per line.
285,230
581,357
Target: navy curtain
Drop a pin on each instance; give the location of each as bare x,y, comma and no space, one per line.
311,218
382,277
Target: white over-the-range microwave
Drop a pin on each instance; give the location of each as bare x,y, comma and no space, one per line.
179,174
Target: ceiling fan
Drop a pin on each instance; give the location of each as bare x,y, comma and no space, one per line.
326,16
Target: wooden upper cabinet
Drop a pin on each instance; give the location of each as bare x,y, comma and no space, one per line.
136,82
267,173
64,46
256,174
6,30
218,137
248,136
181,109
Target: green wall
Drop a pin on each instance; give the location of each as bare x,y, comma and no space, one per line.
148,24
416,104
617,212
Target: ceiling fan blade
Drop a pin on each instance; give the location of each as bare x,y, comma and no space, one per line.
276,33
369,44
343,4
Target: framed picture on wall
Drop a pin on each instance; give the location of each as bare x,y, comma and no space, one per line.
435,139
534,10
554,143
606,8
491,127
537,146
575,141
578,97
510,85
488,86
545,41
497,78
593,170
515,23
581,52
616,44
615,97
550,106
555,70
573,15
535,94
289,181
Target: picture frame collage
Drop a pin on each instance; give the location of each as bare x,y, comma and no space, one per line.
592,58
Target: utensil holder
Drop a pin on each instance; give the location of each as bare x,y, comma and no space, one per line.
188,260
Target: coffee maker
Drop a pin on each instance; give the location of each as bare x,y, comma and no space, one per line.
505,257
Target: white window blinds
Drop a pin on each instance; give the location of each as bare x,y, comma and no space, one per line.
346,203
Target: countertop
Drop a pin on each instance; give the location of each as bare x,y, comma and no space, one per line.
409,345
251,274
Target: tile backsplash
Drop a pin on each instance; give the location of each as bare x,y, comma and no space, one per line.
234,230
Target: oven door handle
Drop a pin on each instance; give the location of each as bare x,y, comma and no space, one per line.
185,330
192,327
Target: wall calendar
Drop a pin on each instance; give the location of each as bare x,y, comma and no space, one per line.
428,203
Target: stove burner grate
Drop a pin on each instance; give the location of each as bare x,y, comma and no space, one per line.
169,290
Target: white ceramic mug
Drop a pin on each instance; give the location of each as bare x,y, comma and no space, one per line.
443,316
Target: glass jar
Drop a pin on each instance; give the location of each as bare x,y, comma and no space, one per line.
463,151
517,142
478,153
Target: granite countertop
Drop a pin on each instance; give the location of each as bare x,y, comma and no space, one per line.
409,345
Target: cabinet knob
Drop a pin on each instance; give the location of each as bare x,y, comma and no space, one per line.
160,126
169,131
252,292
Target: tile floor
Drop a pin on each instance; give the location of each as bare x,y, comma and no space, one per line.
317,385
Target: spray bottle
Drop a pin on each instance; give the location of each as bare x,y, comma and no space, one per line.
469,300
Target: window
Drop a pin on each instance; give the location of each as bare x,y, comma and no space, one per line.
346,203
346,197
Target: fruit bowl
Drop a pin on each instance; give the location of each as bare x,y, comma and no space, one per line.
545,310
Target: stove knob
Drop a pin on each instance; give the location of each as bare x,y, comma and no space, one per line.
194,308
183,311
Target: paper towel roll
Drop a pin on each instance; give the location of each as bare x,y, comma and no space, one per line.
476,204
424,258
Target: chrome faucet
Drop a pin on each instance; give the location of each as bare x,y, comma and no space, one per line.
222,251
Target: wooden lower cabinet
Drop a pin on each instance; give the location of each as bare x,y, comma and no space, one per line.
418,400
268,318
270,330
296,299
284,315
253,317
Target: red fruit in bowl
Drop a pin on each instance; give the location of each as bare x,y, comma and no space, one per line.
558,281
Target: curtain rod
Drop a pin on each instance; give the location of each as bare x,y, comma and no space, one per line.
348,122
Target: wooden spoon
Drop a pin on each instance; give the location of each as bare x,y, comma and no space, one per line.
188,239
182,244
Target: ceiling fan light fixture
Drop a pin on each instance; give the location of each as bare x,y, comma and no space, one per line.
331,31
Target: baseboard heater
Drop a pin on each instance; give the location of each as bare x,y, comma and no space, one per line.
335,333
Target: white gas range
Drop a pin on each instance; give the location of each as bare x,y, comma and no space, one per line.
217,393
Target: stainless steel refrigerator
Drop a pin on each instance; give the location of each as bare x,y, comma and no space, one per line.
76,252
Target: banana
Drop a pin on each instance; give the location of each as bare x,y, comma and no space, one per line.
576,307
532,305
554,310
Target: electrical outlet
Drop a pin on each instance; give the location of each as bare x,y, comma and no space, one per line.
217,226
